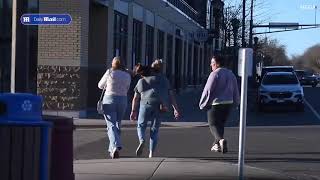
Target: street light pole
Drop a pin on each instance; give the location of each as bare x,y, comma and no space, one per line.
13,46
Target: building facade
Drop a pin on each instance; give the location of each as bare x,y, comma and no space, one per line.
26,48
71,59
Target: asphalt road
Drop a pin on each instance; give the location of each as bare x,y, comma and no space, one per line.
280,140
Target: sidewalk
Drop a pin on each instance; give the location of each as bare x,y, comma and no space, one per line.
100,123
167,169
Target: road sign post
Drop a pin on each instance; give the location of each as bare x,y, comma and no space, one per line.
244,70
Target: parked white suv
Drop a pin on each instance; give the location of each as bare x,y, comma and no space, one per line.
281,88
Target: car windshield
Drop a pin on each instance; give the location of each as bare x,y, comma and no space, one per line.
299,73
308,73
265,70
279,79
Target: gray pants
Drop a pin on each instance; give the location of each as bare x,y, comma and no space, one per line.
217,117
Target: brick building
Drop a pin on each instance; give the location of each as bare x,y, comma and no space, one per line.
71,59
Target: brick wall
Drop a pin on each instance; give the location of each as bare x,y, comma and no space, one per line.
67,44
63,56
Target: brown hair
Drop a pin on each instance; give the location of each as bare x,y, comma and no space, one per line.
219,60
136,69
157,65
144,70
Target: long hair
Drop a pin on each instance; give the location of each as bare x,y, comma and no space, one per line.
144,71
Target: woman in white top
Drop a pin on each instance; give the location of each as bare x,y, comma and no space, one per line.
116,82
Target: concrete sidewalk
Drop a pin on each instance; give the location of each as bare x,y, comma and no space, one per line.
100,123
167,169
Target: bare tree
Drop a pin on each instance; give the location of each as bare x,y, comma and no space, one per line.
273,53
261,14
310,60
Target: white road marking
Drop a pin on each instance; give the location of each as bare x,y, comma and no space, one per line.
312,109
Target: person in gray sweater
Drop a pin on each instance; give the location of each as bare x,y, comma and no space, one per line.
152,94
219,93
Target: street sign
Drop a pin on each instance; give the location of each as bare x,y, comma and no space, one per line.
201,35
245,55
281,25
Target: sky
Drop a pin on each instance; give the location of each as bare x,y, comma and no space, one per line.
296,11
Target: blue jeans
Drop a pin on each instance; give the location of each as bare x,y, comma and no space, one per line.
149,112
114,108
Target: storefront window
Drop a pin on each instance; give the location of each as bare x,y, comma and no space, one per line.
120,36
136,42
195,64
149,44
178,60
160,44
169,56
189,69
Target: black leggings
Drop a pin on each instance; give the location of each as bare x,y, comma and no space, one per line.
217,117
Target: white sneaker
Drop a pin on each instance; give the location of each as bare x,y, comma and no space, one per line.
139,150
150,154
216,148
223,145
115,153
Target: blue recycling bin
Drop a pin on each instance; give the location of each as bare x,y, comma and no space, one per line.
24,137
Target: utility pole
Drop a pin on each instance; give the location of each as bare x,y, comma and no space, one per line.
251,24
13,46
243,23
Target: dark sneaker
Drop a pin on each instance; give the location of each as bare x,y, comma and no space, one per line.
223,145
140,149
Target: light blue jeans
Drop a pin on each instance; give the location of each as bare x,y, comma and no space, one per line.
114,108
149,112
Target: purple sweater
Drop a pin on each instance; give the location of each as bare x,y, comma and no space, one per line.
221,87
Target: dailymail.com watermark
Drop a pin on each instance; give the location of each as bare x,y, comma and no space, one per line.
46,19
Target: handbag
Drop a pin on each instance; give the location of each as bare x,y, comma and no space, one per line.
100,103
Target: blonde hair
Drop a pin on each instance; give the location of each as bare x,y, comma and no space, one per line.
116,63
157,65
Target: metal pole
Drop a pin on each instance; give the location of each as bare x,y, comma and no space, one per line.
315,15
243,117
251,24
13,46
243,22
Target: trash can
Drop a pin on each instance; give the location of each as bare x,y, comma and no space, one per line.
61,166
24,138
